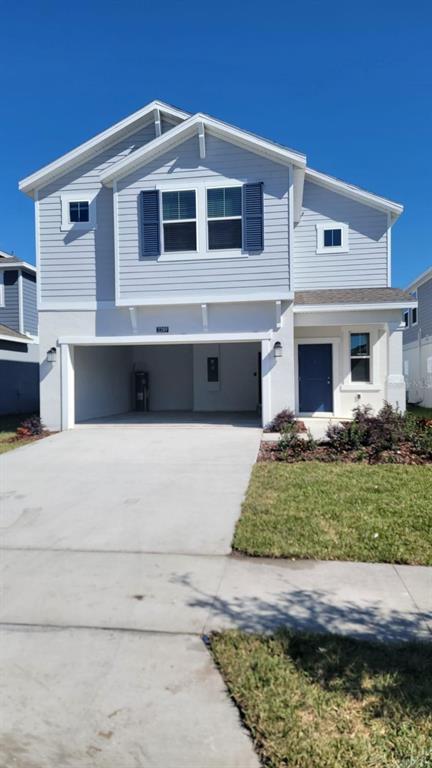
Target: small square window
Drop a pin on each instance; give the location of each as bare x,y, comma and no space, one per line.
332,238
79,211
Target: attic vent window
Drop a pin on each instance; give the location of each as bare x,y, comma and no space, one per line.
78,211
332,237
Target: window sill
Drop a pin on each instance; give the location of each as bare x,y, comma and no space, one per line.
332,249
361,386
202,257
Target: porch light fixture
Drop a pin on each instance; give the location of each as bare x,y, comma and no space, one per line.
52,355
277,349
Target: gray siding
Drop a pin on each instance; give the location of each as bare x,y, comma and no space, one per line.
9,314
30,304
364,265
142,278
80,265
424,297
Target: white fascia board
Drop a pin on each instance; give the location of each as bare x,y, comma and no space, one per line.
419,280
19,339
207,299
190,127
305,308
75,156
361,195
21,265
184,338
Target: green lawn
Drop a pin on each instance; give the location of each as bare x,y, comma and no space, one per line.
378,513
316,701
8,427
424,413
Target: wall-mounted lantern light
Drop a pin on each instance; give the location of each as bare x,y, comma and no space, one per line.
277,349
52,355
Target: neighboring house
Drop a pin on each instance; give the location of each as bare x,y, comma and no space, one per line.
418,342
185,264
19,352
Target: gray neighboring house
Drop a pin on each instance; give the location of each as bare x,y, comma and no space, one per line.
19,349
417,342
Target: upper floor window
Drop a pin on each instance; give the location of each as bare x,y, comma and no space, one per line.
414,316
2,290
360,357
406,319
179,221
78,210
224,213
332,237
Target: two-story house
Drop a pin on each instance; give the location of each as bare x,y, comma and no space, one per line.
19,353
417,349
187,265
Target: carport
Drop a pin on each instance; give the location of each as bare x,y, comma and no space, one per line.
102,379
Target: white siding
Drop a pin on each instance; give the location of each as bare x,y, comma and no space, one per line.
364,265
80,265
145,277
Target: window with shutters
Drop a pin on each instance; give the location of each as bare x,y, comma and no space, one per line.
179,222
224,218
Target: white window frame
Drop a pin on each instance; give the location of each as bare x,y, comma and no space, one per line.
223,218
2,289
78,197
360,357
163,221
322,227
406,317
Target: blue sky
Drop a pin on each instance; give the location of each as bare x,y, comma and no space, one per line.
347,83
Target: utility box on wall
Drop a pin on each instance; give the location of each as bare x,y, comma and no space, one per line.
141,391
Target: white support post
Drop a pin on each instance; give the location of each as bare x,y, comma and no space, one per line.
395,382
133,319
204,316
158,124
266,366
201,139
278,314
67,375
20,302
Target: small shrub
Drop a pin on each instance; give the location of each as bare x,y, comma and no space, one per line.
292,444
31,427
284,420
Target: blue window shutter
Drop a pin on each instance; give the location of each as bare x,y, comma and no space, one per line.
150,222
253,218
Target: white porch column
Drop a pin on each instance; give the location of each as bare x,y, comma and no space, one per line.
67,374
266,366
395,381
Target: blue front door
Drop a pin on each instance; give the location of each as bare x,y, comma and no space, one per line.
315,378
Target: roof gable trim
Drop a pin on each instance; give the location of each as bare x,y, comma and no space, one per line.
361,195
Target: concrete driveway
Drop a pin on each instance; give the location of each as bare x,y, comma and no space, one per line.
150,489
84,684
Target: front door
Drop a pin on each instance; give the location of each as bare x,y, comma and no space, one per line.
315,366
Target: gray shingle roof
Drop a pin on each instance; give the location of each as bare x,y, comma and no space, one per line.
13,335
351,296
10,260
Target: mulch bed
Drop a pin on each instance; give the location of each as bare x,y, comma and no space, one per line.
404,454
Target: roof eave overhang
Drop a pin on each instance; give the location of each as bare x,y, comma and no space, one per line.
190,128
360,195
304,308
21,265
76,156
426,275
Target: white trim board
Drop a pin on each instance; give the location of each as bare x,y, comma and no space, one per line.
303,308
166,338
356,193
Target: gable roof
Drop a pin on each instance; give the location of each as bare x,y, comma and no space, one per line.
426,275
8,261
191,127
110,136
190,124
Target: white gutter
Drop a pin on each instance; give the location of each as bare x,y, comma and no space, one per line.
304,308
